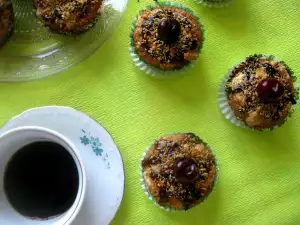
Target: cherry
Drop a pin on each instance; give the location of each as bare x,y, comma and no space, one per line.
270,90
169,30
186,170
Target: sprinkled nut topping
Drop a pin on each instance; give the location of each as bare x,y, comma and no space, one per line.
261,92
6,21
68,15
158,48
179,170
170,36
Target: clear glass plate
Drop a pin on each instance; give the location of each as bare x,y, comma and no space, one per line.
34,51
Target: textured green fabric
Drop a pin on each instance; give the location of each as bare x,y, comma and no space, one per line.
259,172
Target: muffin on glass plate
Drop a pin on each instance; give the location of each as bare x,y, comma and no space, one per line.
6,21
68,16
215,3
178,171
259,93
166,39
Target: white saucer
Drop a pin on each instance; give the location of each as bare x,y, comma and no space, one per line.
101,157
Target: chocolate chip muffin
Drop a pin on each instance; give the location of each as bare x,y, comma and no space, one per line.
167,37
261,92
68,16
179,171
6,21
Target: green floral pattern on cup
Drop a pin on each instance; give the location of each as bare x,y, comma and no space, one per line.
88,140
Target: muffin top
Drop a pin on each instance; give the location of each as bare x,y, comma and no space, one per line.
68,15
6,21
179,171
167,37
6,14
261,92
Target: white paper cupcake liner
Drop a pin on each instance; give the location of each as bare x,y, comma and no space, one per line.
223,100
169,209
216,3
152,70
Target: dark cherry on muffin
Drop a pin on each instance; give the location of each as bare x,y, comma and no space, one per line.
261,92
6,21
179,171
167,37
68,16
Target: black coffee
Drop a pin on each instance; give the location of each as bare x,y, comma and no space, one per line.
41,180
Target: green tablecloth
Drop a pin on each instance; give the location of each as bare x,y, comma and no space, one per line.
259,172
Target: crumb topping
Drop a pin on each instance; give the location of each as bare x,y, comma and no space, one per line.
244,97
163,161
5,17
67,14
184,50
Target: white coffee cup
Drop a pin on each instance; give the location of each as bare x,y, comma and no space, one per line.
14,140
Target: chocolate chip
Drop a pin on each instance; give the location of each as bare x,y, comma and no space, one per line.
84,10
194,45
196,193
165,172
57,13
154,175
247,73
276,116
157,15
270,70
163,195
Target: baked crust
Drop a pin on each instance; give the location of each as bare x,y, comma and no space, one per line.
167,56
243,97
66,16
160,178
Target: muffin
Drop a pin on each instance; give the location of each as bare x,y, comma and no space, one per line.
178,171
68,16
168,37
215,3
6,21
260,92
